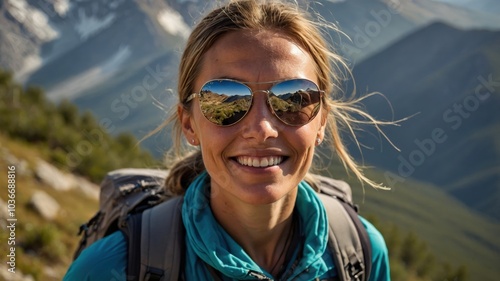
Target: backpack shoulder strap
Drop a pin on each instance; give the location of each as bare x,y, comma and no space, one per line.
151,234
348,239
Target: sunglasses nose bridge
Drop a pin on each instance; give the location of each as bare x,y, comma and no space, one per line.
261,103
268,94
262,91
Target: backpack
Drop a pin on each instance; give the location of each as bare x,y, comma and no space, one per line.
135,202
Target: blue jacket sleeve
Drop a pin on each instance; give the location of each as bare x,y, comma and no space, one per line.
104,260
380,256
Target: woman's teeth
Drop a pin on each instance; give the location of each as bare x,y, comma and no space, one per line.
259,162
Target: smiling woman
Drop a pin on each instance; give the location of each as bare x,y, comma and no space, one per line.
257,87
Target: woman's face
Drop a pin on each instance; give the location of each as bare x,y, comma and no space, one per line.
258,160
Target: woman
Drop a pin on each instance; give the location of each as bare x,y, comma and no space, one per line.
256,88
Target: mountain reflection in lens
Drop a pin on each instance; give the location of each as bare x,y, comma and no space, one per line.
225,102
295,102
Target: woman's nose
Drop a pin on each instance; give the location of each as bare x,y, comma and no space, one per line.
260,124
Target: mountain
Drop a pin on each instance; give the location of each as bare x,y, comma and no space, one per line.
486,6
79,36
113,58
451,78
375,25
101,41
119,59
70,46
369,25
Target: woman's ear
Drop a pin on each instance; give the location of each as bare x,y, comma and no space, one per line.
187,125
321,131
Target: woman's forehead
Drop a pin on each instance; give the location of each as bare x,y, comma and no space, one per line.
267,55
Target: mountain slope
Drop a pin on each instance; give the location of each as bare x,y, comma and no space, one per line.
375,25
105,50
452,79
454,232
370,25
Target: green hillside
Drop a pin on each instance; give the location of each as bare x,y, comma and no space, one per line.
452,235
453,232
73,140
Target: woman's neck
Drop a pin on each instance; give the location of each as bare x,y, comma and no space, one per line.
261,230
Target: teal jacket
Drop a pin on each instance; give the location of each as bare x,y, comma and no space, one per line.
106,259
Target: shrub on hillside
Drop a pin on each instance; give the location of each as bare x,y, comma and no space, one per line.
411,258
44,241
71,139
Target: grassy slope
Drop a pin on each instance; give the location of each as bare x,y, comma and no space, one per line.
76,208
453,232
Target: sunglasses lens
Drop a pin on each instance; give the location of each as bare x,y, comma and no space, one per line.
225,102
295,102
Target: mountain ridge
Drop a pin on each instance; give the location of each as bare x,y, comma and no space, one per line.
463,86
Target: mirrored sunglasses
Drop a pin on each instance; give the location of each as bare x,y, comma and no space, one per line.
225,102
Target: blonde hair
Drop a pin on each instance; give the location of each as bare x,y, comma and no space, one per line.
294,22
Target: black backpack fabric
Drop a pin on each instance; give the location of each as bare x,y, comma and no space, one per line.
135,202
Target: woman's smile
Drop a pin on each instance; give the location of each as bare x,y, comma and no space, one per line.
260,162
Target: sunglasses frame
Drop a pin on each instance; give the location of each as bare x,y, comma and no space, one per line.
267,92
